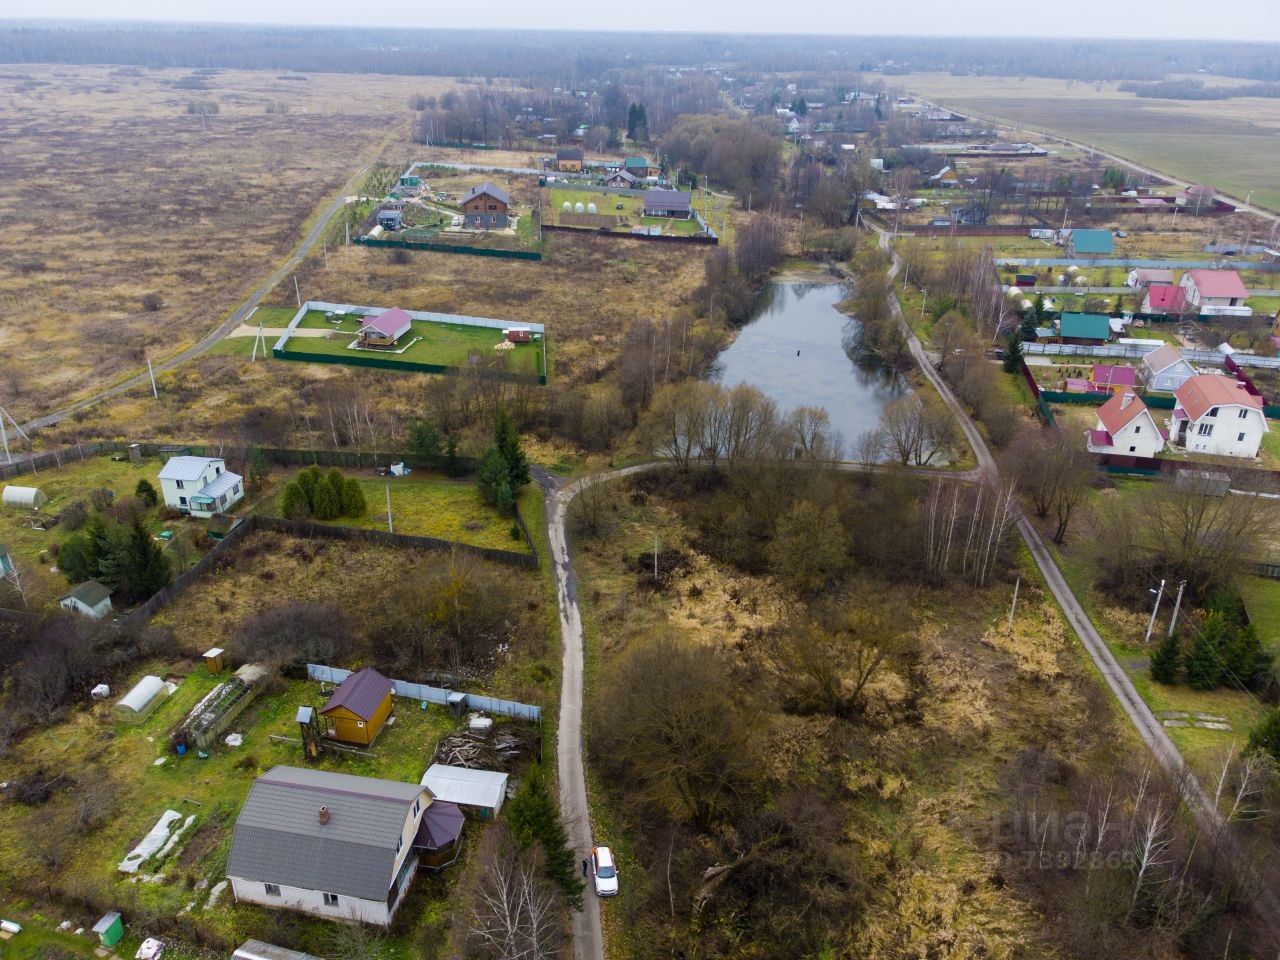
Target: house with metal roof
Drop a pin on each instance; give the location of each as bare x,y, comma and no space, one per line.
1090,243
569,161
1116,379
1217,415
385,330
1125,427
358,709
641,167
90,598
1084,328
668,203
389,218
1164,298
486,207
1146,276
329,844
480,790
620,178
200,486
1218,293
1165,370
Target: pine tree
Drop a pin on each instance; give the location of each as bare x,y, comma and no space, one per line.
77,560
507,441
1204,662
1013,354
353,501
452,465
492,475
1248,663
424,441
1266,735
534,819
325,504
144,567
1166,662
145,492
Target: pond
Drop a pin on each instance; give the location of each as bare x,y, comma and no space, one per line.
803,352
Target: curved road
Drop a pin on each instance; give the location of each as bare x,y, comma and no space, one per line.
237,317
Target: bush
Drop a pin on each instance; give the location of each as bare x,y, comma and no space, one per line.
293,502
325,504
1266,735
353,500
74,515
100,498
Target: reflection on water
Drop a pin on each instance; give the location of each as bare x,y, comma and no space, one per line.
802,352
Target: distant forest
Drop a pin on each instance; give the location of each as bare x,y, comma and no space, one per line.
575,57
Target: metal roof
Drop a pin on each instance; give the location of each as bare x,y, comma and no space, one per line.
220,484
186,468
496,192
1201,393
103,925
361,693
1085,326
569,154
471,788
1218,283
394,323
258,950
279,837
1092,241
90,593
667,200
441,825
1122,409
1160,360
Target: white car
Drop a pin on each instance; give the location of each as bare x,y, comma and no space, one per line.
457,221
604,872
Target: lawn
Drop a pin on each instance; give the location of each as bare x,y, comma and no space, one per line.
65,485
631,206
440,344
425,505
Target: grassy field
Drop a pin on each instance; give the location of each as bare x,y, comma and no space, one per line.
629,210
445,345
1227,143
154,200
423,505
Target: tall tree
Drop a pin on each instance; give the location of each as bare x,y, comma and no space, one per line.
144,568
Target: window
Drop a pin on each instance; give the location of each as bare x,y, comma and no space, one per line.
493,206
222,500
1205,430
330,899
1240,438
273,890
1213,412
360,724
399,844
1137,430
417,805
179,483
1133,449
216,471
235,491
183,501
1243,414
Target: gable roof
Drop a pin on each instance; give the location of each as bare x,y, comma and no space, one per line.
473,788
186,468
259,950
392,323
676,200
279,837
1121,410
637,163
1158,361
1108,376
90,593
571,154
496,192
1085,326
1218,283
1199,394
1166,297
624,174
361,693
1092,241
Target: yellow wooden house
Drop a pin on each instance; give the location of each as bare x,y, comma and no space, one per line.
357,710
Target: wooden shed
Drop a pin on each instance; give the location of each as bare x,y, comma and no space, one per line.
359,707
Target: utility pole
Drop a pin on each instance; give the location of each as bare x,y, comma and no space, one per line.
1014,605
151,373
297,291
1152,625
4,436
1177,605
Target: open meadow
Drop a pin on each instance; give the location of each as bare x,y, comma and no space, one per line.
139,207
1228,143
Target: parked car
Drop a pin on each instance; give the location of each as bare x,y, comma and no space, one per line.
456,222
604,872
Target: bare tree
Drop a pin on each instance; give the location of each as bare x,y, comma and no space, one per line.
514,911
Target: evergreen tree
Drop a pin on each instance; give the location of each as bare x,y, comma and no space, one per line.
452,465
353,501
308,480
1266,735
1248,663
1027,329
534,818
1166,662
1013,353
336,481
492,477
507,442
145,492
424,441
144,567
259,465
325,504
77,560
1204,662
113,554
293,501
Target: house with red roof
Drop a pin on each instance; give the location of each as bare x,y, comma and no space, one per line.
1125,427
1115,379
1165,370
1217,415
384,330
1164,298
1218,293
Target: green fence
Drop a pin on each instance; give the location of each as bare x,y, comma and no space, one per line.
404,366
450,248
1155,401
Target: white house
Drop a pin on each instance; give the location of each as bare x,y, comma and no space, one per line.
329,844
1218,293
1215,414
200,486
90,598
1125,427
1165,370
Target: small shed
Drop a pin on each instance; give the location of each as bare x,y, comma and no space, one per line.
359,707
215,659
140,702
480,790
260,950
91,599
110,929
25,498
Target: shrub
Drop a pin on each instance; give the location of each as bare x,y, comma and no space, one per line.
100,498
145,492
325,504
293,502
74,515
353,501
151,302
1266,735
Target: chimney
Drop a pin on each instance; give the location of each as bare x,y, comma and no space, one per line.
324,815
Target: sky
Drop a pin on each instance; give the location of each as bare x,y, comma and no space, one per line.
1175,19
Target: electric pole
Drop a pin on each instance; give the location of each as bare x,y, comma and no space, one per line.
1152,625
1177,605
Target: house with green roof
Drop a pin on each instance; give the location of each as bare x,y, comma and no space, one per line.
1084,328
640,167
1091,243
91,599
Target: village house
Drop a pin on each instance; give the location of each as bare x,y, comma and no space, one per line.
358,709
384,330
569,160
1197,198
1125,427
1164,299
1084,328
1218,293
1165,370
90,599
668,203
1217,415
946,177
329,844
1114,379
1090,243
200,486
641,167
620,178
390,218
486,207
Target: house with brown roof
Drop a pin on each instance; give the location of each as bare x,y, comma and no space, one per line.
1217,415
1165,370
1219,293
357,710
620,178
486,207
569,161
1125,427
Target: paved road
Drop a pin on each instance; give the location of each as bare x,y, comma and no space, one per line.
237,317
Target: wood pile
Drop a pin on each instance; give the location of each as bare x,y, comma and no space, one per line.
478,752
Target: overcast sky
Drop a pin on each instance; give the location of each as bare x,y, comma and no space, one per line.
1135,19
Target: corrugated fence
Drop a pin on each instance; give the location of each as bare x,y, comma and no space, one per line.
437,695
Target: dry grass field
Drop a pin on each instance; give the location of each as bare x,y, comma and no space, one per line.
133,225
1229,143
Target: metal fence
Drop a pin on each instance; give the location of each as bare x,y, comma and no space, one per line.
438,695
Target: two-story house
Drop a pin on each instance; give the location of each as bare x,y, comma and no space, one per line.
1217,415
1125,427
200,486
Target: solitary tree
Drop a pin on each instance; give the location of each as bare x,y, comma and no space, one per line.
145,492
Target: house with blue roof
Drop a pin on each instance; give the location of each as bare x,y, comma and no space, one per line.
1091,243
